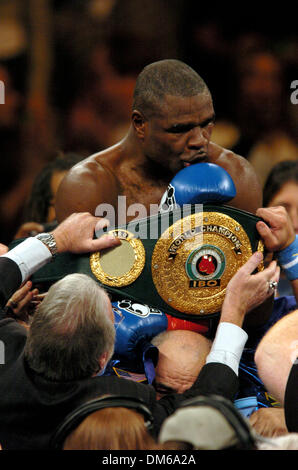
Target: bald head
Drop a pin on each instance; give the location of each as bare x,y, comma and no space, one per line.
182,354
165,77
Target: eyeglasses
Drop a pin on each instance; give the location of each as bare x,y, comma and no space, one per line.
162,389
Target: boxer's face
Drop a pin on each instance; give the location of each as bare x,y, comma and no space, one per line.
179,135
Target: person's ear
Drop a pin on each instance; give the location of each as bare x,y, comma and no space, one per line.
103,360
139,123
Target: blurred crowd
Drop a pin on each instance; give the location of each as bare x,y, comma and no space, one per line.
69,69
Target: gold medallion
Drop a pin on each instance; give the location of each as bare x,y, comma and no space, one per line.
195,258
121,265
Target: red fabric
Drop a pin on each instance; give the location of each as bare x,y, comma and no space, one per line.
179,324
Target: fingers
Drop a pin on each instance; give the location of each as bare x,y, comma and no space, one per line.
272,238
3,249
263,212
270,270
247,290
252,263
21,297
25,301
253,418
37,298
272,215
105,241
76,234
20,293
244,273
263,280
271,273
275,277
100,224
278,231
269,422
264,231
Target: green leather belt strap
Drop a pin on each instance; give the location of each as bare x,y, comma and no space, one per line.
179,264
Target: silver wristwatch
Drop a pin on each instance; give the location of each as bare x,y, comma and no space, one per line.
49,240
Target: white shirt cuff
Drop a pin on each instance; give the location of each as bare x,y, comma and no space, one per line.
228,345
30,255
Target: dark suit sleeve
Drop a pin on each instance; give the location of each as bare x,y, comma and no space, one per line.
214,378
10,279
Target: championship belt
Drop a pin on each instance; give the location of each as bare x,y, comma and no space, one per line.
179,262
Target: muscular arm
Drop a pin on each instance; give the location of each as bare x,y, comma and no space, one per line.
249,191
84,187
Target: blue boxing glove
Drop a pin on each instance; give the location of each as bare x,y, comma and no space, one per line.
136,324
197,184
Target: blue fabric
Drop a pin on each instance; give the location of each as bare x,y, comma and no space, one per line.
246,406
202,183
284,287
288,260
150,358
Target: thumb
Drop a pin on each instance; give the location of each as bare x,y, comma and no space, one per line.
263,229
266,235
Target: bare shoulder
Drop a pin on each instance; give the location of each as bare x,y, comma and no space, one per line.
85,186
248,187
229,160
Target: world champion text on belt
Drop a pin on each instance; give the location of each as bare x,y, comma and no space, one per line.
212,228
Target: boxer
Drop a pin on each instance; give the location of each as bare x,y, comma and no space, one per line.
171,125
